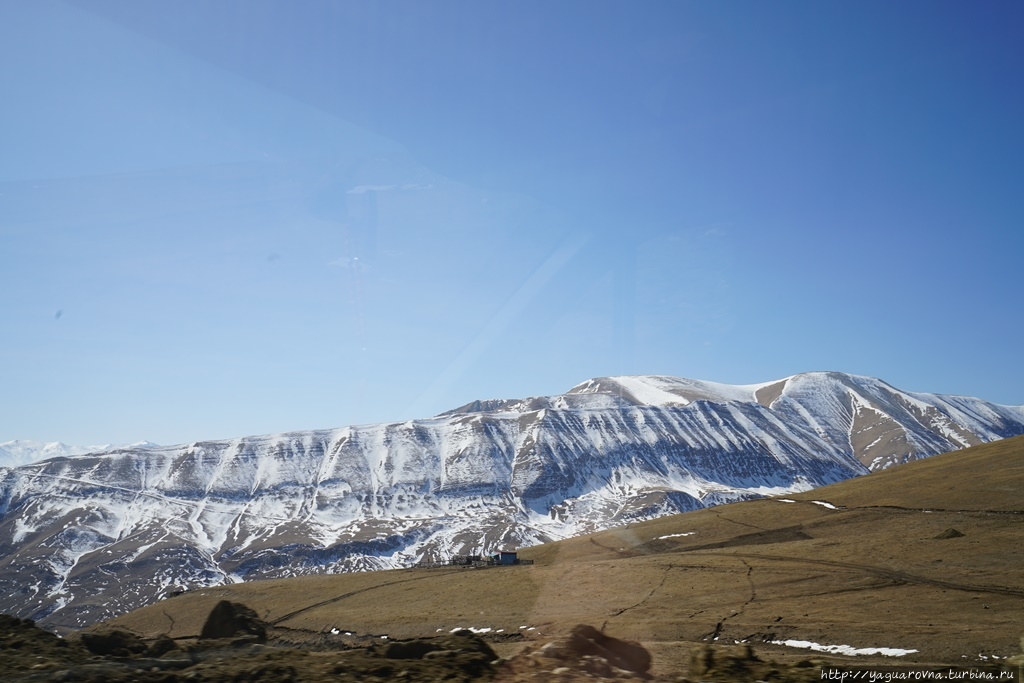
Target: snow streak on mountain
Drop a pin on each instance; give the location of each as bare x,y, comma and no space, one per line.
86,537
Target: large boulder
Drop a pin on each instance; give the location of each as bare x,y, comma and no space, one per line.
586,654
232,620
587,641
161,646
410,649
113,642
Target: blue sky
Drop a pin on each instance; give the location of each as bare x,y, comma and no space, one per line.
220,219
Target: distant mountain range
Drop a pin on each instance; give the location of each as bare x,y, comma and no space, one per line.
22,452
87,537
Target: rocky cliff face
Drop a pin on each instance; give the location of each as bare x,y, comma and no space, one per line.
87,537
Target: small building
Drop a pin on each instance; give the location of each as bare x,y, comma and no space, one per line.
506,557
502,558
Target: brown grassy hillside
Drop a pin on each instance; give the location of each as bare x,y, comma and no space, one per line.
882,569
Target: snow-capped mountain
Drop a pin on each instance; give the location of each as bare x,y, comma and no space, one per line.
22,451
87,537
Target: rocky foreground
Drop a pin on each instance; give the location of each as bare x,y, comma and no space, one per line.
234,647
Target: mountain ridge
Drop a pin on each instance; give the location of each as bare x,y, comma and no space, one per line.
493,473
868,570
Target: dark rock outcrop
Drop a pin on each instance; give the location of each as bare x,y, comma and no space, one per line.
585,654
463,652
950,533
587,641
232,620
161,646
115,643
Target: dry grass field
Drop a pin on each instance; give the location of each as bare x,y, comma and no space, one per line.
867,563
